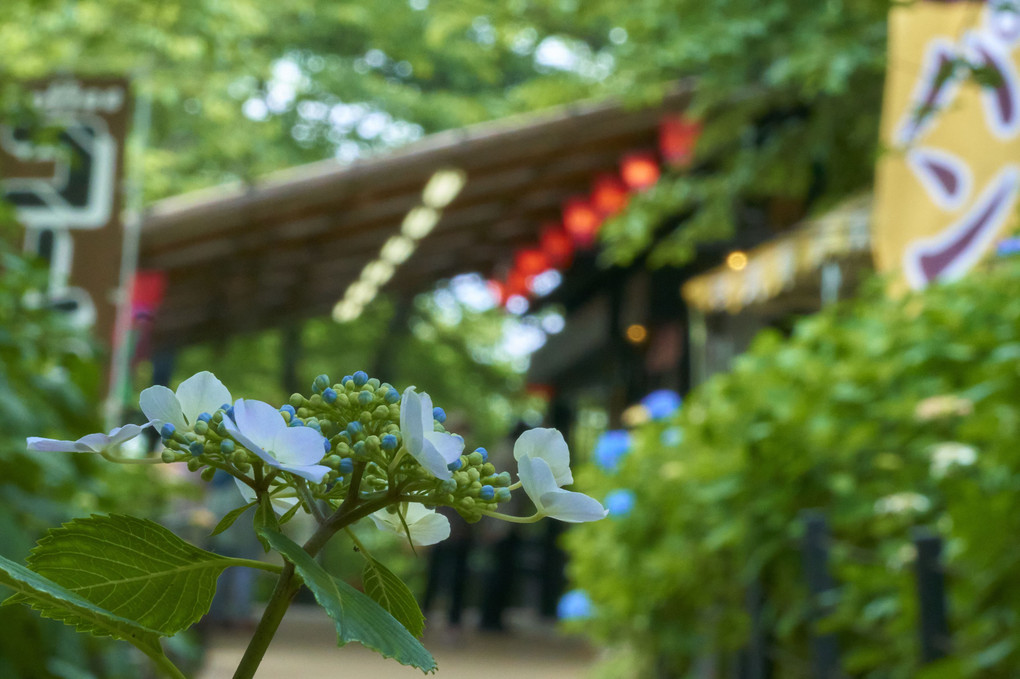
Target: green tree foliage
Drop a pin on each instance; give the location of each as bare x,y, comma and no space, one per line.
404,71
789,93
888,415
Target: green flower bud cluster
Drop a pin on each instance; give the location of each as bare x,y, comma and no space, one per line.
360,416
354,415
475,486
208,447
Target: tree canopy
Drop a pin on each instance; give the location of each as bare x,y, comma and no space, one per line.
789,93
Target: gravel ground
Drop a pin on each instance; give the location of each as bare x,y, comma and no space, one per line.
305,648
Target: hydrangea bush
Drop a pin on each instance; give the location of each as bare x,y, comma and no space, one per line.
889,414
347,452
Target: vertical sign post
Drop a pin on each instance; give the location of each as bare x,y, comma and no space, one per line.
66,191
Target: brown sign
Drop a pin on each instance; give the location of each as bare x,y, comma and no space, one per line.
65,187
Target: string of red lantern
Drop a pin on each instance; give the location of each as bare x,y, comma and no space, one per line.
583,216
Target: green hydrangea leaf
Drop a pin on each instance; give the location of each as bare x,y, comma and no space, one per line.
59,603
356,616
390,592
233,515
133,567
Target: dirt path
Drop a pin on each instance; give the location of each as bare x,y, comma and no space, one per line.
305,648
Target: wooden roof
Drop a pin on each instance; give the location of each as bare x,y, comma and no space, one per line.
241,258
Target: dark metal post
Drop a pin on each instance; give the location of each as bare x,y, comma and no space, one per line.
824,649
931,593
754,659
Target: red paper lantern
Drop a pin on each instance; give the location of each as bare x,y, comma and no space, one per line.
531,261
609,195
677,137
516,284
557,246
639,171
581,221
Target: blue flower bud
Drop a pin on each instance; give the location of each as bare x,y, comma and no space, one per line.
329,395
346,379
225,406
354,428
196,448
388,442
487,492
439,415
360,378
227,446
326,444
167,431
230,412
484,452
359,448
346,466
365,397
502,495
288,408
295,422
320,383
392,396
204,417
455,465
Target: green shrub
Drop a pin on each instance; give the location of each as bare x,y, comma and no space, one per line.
49,385
851,415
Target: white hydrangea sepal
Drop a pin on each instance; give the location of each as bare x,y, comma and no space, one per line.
260,428
90,443
200,393
426,526
281,502
550,500
432,449
548,445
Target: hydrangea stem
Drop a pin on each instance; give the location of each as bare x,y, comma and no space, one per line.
351,509
534,518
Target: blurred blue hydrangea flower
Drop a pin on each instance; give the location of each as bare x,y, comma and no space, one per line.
662,403
672,437
574,605
620,502
1008,246
610,447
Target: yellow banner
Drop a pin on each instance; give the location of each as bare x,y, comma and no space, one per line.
948,178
